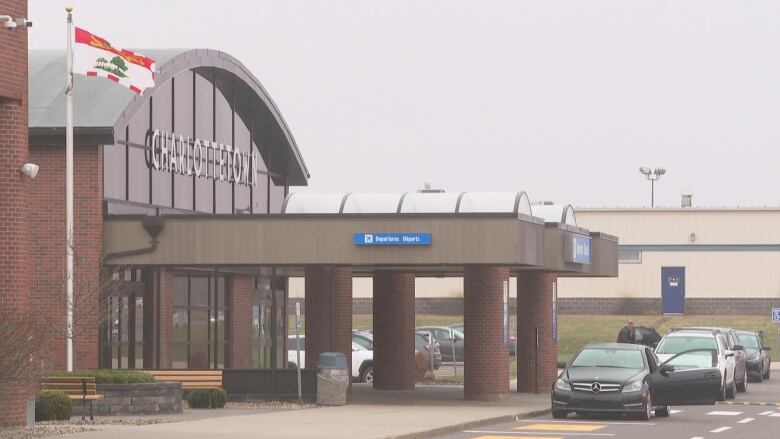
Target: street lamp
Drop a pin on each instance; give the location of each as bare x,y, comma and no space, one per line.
652,175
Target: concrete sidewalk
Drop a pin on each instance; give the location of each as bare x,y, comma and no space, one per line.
424,412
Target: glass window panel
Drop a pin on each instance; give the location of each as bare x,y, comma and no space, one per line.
242,141
220,327
180,291
162,119
256,358
277,197
204,124
199,291
199,356
281,329
139,319
139,355
114,171
180,324
220,299
199,325
123,319
260,191
179,359
223,135
221,357
138,177
182,125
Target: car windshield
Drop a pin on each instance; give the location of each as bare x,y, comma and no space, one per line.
604,357
682,343
749,341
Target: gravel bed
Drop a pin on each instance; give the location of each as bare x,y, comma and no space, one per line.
53,428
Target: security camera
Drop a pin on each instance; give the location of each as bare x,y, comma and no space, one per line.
30,170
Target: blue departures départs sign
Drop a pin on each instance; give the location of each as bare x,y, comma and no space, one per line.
392,239
581,249
775,315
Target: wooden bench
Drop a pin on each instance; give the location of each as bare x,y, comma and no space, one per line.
77,388
190,379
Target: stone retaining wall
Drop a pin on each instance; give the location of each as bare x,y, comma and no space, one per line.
135,399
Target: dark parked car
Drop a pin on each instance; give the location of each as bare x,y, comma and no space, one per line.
429,347
646,336
512,337
628,378
734,345
759,361
448,339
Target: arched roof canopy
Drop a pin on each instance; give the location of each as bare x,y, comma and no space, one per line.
408,203
556,213
104,108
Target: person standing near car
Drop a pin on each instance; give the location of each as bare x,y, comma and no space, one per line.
626,335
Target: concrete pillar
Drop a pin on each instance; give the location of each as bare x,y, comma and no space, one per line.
536,366
328,312
239,310
486,359
394,366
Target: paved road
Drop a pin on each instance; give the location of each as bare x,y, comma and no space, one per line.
755,415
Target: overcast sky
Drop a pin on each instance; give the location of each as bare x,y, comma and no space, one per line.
563,99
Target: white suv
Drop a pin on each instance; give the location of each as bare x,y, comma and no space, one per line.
362,360
682,341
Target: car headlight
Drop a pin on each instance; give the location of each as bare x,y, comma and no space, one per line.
562,385
633,387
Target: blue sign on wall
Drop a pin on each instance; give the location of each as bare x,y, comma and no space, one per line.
580,251
775,315
392,239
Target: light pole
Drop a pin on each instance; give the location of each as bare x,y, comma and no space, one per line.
652,175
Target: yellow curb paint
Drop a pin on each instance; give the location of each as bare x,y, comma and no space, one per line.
514,437
561,427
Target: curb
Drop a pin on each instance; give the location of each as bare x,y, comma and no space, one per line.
457,428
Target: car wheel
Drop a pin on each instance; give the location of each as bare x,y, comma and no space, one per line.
768,369
368,375
731,392
722,394
559,414
662,412
742,387
647,408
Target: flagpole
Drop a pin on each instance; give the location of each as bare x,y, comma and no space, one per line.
69,189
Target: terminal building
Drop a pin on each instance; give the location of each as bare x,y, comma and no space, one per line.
187,235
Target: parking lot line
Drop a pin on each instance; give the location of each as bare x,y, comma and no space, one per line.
571,421
768,412
745,421
775,415
561,427
515,437
723,413
720,430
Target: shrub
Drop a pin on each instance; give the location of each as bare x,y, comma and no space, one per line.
51,405
200,399
108,376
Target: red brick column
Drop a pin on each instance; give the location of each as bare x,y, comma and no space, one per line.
536,367
158,319
239,354
394,366
14,192
328,312
486,359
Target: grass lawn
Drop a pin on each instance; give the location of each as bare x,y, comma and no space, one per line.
574,331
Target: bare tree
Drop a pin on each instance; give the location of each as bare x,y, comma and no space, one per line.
19,344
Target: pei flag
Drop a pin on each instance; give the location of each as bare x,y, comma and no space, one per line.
95,56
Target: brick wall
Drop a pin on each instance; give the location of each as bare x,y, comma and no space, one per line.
47,233
486,371
328,312
14,190
239,354
394,366
539,368
158,323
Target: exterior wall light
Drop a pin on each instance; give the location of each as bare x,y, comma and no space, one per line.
30,170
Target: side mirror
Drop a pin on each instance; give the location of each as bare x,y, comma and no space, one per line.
728,354
666,369
767,348
739,347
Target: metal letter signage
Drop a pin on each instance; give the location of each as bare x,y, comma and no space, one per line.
173,153
392,239
579,252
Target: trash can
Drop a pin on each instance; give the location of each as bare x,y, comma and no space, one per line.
332,379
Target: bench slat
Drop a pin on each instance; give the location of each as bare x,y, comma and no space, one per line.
68,379
184,378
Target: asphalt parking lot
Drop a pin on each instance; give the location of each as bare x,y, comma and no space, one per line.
755,414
